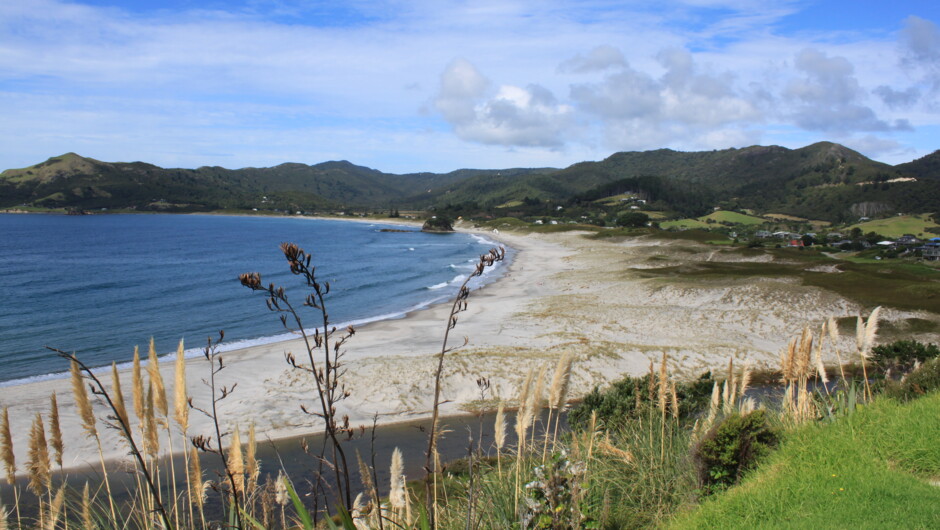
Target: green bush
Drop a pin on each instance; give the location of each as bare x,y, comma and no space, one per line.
619,401
731,448
901,355
919,382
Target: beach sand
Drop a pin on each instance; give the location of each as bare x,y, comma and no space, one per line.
562,293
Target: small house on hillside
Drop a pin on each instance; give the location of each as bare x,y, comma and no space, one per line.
795,243
762,234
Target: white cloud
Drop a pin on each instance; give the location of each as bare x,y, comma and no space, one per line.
513,116
598,59
828,96
269,79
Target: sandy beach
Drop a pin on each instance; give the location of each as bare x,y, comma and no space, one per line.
563,292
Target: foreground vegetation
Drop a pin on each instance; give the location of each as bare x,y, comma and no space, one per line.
646,451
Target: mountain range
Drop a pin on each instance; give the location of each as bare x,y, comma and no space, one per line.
822,181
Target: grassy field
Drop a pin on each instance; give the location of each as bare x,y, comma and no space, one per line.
892,283
877,468
723,216
898,226
684,224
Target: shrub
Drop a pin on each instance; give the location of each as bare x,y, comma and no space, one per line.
618,402
901,355
731,448
919,382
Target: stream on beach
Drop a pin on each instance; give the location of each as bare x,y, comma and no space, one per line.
288,454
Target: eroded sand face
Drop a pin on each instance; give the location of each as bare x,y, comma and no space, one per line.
564,292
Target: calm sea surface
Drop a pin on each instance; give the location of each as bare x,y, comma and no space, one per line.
101,284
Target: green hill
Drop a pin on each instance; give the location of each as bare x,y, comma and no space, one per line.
823,181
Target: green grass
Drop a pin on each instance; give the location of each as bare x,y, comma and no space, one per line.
872,469
898,226
684,224
723,216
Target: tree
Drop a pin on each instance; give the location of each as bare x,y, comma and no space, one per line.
633,219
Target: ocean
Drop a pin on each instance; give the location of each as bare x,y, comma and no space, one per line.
98,285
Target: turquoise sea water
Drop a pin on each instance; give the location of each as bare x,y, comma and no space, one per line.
101,284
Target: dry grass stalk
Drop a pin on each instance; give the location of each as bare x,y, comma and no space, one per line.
3,517
236,463
674,401
87,519
156,379
181,398
6,447
522,414
55,430
55,509
82,402
117,395
606,447
40,477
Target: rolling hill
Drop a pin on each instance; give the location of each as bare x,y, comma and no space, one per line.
820,181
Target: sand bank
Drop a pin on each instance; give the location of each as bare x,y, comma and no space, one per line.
563,292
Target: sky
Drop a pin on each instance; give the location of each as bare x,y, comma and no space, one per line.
437,85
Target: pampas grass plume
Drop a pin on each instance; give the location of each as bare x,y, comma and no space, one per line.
137,387
833,328
859,333
55,509
236,462
252,466
40,479
396,495
560,381
82,402
55,430
871,331
117,395
87,520
714,404
151,438
6,447
745,378
198,487
181,399
156,379
499,429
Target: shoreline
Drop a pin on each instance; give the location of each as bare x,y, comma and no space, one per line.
562,293
267,359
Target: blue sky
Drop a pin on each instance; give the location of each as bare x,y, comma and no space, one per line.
437,85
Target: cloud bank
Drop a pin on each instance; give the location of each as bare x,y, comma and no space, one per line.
409,85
